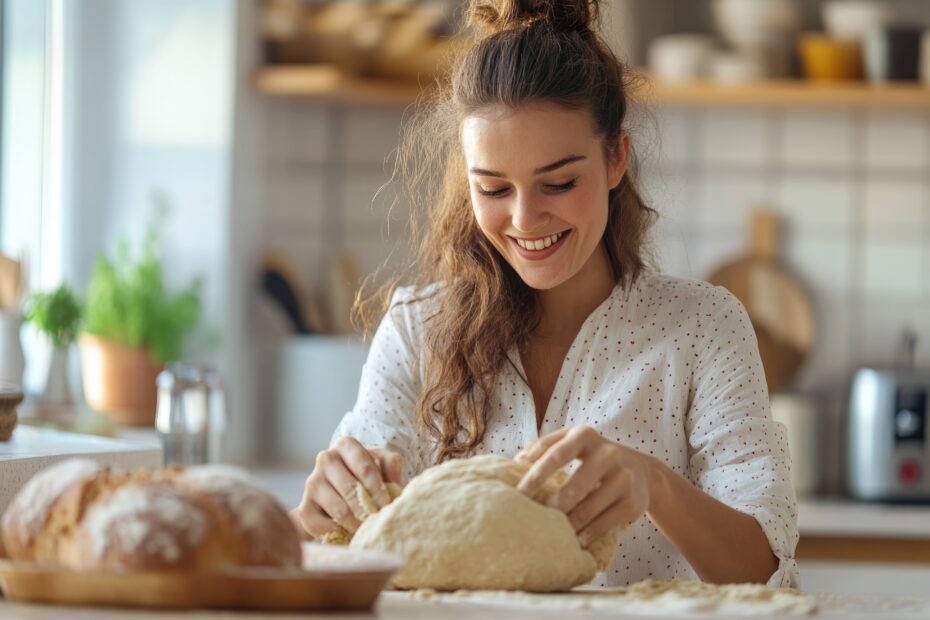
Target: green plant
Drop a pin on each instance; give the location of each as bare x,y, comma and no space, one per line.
56,314
127,301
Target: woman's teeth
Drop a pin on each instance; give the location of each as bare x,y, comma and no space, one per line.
539,244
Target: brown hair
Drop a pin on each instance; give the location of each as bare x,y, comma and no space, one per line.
524,51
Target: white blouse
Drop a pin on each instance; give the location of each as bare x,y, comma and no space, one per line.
667,366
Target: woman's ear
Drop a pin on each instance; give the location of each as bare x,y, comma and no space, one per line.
619,160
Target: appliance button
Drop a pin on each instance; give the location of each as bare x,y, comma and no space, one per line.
906,423
909,472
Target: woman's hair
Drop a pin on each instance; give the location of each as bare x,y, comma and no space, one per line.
523,52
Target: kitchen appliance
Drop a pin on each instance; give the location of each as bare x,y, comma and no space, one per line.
888,452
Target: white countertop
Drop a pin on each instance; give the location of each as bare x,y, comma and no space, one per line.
399,605
32,449
846,518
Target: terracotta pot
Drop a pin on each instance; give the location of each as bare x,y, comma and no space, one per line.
119,381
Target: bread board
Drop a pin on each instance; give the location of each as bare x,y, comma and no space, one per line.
332,578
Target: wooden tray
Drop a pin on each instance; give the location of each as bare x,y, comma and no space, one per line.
333,578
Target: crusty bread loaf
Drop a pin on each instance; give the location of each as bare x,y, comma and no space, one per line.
87,517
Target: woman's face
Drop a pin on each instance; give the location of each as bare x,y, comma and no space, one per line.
539,180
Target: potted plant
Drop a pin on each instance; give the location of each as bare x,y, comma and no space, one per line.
132,326
57,315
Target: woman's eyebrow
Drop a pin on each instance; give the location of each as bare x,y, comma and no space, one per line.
547,168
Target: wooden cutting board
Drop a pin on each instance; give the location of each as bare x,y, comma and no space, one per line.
332,579
777,302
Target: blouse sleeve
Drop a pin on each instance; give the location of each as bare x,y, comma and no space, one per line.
739,454
383,415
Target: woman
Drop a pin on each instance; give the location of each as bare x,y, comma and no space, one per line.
534,296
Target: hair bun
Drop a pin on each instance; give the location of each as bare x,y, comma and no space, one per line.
565,15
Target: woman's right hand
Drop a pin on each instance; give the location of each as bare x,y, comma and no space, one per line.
330,498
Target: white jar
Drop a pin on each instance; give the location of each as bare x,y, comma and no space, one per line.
800,416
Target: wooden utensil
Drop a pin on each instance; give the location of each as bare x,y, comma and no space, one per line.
345,580
776,301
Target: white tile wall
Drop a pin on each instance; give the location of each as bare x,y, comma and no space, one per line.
726,200
897,139
895,209
817,137
814,203
735,136
853,188
893,271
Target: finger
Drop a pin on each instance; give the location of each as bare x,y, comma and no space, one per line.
346,484
364,468
334,506
538,446
614,489
563,452
583,481
391,464
294,516
312,521
620,513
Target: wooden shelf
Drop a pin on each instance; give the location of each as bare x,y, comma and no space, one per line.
791,92
327,83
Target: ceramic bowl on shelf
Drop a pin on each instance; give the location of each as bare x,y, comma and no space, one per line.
853,19
755,23
736,68
679,58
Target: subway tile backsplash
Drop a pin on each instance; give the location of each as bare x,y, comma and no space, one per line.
852,186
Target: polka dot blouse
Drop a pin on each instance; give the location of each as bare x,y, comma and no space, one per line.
667,366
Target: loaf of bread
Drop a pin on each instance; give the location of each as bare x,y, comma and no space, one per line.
81,515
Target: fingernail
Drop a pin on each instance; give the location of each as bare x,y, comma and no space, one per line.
583,539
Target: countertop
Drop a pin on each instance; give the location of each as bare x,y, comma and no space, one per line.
400,605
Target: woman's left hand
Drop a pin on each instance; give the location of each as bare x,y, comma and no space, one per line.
608,489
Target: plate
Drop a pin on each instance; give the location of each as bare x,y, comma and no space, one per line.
332,578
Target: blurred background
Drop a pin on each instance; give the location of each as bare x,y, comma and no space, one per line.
784,143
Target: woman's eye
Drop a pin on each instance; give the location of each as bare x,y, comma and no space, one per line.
552,189
564,187
492,192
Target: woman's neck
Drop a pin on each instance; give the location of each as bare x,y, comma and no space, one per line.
565,307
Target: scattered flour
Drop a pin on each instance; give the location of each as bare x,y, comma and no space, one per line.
674,598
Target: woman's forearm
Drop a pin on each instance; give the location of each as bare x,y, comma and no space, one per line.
722,544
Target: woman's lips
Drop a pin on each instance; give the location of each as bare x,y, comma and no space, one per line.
540,254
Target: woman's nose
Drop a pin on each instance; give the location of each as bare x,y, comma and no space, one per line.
526,216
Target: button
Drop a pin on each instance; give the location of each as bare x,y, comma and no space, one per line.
909,472
907,423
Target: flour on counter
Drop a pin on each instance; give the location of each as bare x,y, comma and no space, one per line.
645,598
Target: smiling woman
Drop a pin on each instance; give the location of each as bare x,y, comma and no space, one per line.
534,328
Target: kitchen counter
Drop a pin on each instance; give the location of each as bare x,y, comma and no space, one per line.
32,449
401,605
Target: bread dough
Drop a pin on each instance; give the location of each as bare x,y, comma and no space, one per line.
464,525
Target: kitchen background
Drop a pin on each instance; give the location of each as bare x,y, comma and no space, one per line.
272,169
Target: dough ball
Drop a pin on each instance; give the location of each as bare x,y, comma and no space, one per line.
464,525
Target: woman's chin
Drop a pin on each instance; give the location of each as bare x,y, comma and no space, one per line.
541,282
